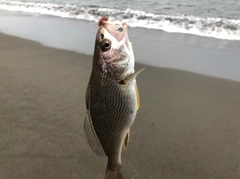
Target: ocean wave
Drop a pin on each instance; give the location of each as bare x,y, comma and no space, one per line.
220,28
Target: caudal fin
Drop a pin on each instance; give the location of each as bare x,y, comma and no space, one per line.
115,173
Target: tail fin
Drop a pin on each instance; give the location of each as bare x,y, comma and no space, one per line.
115,173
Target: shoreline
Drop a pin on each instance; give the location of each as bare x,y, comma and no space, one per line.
187,125
203,55
179,22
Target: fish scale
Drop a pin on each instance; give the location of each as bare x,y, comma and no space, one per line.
116,103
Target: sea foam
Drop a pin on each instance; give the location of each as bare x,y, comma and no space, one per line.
220,28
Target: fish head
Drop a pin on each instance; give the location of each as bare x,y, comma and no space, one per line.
113,50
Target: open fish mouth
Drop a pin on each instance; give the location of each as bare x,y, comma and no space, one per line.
118,31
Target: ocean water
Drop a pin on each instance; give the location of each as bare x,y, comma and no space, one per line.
211,18
183,35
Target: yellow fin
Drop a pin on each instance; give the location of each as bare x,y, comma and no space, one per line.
126,140
138,98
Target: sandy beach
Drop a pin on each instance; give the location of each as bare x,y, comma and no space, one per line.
187,126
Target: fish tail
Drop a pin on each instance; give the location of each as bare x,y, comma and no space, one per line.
115,173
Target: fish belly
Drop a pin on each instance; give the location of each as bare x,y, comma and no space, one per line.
113,110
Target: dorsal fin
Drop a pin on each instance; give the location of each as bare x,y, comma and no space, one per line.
92,136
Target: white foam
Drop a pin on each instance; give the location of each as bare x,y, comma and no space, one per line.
210,27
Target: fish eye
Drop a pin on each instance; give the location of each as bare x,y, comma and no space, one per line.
105,45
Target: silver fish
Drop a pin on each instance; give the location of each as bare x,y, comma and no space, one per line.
112,98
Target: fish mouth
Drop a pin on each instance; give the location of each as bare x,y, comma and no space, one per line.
118,31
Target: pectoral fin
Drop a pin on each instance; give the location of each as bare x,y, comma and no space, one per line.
130,77
126,140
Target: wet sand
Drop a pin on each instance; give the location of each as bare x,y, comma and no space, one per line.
187,126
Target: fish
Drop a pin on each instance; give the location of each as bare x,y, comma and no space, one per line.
112,98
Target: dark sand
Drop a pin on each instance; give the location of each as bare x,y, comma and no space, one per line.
188,125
